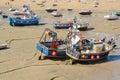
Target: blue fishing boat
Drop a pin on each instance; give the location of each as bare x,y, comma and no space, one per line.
27,20
49,46
62,25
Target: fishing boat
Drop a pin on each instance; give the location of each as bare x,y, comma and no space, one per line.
59,25
56,14
25,21
82,27
49,46
78,51
89,12
49,10
111,17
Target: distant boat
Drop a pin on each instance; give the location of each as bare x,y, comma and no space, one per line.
69,9
82,26
111,17
49,10
3,46
62,25
4,16
27,20
56,14
85,12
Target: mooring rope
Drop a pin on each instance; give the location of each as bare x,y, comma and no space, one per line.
8,71
11,40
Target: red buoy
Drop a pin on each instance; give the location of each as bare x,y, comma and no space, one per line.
92,57
54,53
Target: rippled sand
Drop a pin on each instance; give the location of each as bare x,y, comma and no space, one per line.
20,61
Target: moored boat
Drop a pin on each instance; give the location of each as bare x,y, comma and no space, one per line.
111,17
62,25
56,14
83,26
25,21
79,51
49,10
49,46
89,12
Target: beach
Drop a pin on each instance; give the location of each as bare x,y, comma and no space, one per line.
20,60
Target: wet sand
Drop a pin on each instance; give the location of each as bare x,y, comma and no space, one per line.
21,62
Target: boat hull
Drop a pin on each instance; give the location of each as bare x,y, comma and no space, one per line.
51,10
85,13
48,52
83,28
23,22
62,26
88,57
97,53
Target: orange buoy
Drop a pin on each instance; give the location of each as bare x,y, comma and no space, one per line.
92,57
54,53
47,32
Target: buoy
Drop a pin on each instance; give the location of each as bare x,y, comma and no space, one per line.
92,57
83,56
47,32
97,56
54,53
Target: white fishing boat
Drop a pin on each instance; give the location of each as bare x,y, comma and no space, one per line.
111,17
56,14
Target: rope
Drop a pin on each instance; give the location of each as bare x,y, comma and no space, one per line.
11,40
